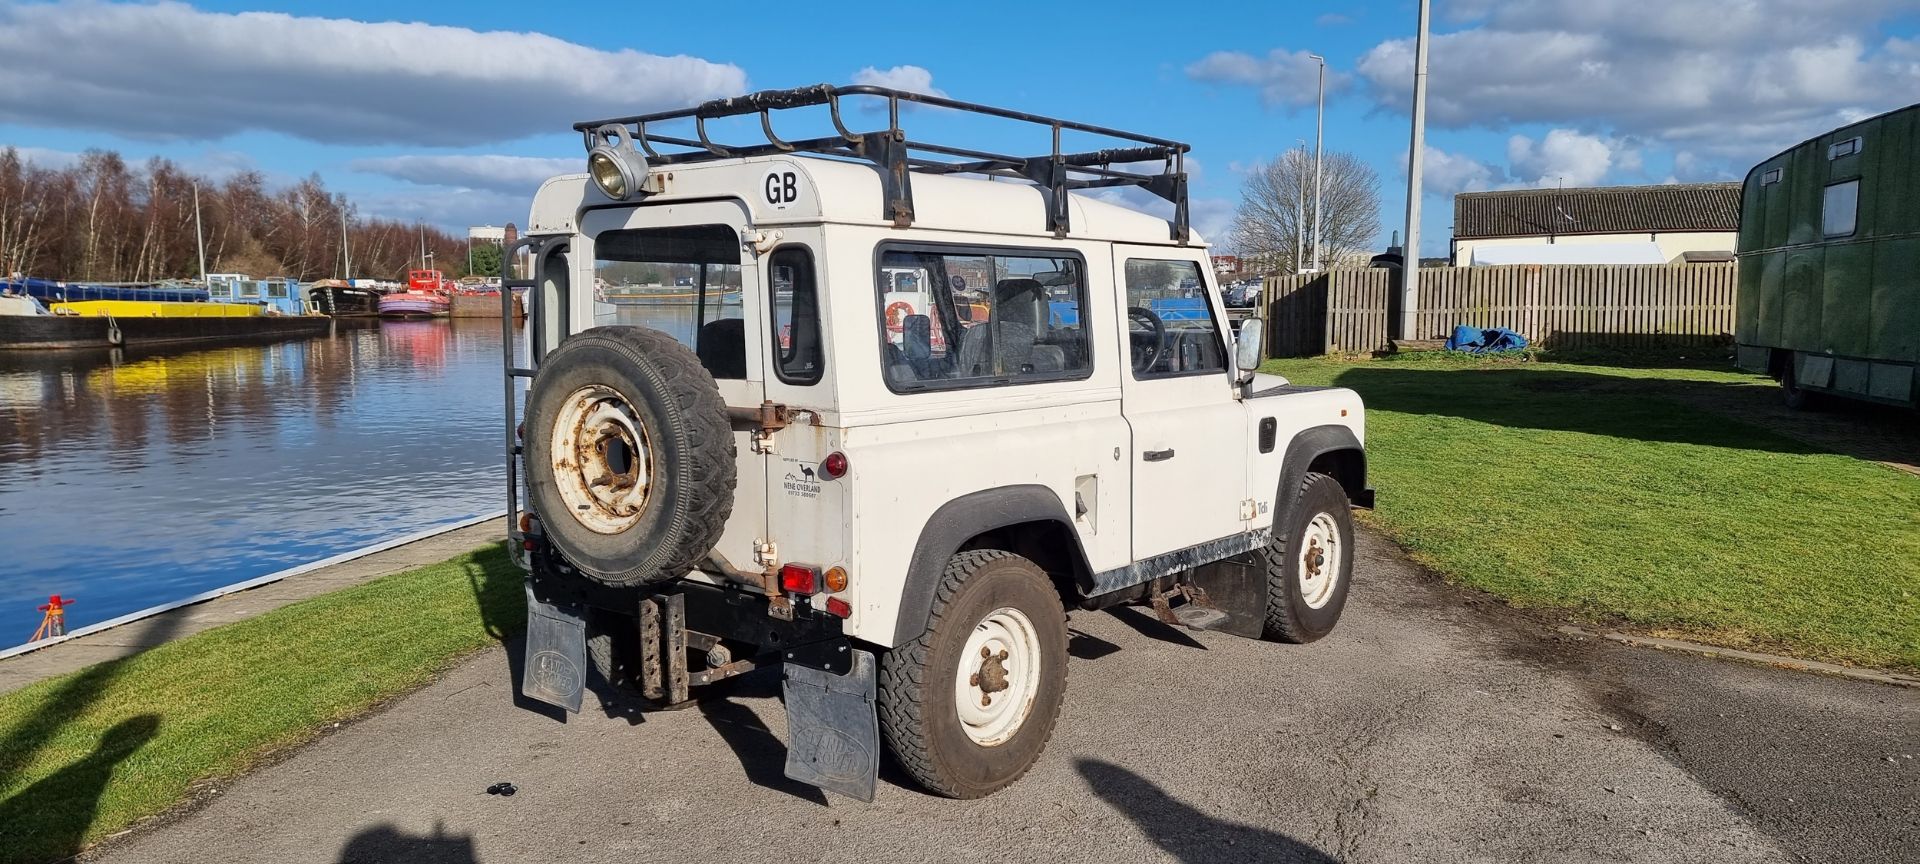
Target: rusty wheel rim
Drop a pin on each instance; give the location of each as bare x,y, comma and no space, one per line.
1321,548
999,677
602,459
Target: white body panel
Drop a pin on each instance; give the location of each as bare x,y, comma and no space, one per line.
910,453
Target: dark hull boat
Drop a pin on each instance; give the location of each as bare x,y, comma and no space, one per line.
29,332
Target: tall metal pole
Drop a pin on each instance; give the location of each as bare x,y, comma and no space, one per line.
1319,138
1410,255
199,237
1299,158
346,248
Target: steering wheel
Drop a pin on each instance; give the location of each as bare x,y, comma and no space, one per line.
1148,346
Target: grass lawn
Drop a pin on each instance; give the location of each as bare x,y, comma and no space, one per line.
88,754
1605,491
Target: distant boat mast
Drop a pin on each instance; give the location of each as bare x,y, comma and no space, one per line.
199,237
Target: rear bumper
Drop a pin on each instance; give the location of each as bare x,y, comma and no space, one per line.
712,615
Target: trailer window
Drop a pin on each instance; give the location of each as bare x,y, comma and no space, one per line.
1840,213
1170,324
979,318
797,357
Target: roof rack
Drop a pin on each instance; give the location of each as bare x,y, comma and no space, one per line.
899,157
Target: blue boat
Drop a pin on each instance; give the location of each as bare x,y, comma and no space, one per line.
282,296
54,291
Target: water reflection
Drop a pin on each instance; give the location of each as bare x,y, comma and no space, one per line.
130,478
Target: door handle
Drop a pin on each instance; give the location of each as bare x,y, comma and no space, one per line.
1158,455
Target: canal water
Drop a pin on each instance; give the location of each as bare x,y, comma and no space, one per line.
131,478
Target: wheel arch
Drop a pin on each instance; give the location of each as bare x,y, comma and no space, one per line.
1330,450
1028,520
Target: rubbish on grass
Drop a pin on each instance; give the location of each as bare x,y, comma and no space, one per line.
1474,340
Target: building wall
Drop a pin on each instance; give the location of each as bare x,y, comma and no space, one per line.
1672,245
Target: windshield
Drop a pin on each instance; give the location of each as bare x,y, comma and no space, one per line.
682,281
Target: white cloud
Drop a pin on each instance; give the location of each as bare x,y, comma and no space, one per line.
1734,80
1332,19
42,157
1448,174
912,79
516,175
448,209
1561,157
1285,79
167,70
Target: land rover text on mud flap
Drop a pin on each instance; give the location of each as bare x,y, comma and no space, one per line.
879,410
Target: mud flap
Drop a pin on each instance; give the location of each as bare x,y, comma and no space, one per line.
1236,590
556,654
833,727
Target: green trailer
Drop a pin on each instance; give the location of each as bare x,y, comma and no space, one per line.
1829,299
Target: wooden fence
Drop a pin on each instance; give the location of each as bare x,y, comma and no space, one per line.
1587,306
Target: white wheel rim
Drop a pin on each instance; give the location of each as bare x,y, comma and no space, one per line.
998,678
602,463
1321,550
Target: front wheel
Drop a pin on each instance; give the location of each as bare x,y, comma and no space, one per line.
1309,564
967,707
1796,396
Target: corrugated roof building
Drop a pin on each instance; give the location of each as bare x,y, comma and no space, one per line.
1672,223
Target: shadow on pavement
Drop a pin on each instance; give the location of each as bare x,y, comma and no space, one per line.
386,844
1186,833
762,755
1151,627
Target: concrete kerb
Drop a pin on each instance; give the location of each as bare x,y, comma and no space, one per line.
1775,660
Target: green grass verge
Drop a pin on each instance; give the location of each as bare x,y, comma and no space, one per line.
90,753
1608,492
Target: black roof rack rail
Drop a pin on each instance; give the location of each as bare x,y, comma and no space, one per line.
899,157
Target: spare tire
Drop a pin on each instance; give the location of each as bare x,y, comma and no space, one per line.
629,455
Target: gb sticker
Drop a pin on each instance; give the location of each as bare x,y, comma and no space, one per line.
782,188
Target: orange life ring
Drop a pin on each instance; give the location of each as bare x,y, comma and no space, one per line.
897,313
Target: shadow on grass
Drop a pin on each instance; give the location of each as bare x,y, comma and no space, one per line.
50,819
1185,832
1673,410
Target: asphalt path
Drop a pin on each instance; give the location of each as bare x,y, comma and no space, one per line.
1432,726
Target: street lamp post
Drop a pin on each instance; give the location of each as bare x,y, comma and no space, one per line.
1410,256
1299,157
1319,138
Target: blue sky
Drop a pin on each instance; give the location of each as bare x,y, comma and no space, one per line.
455,122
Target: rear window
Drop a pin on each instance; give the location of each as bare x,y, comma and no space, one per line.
682,281
977,318
797,354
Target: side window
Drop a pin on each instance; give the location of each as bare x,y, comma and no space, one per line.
684,281
980,318
1170,324
1840,212
797,356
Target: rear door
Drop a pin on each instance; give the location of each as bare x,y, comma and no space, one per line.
1189,438
682,268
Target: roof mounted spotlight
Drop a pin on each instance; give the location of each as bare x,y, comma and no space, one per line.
613,164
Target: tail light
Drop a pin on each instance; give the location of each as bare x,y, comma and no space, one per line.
834,466
799,579
838,607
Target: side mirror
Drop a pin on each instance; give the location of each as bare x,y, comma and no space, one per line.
1249,348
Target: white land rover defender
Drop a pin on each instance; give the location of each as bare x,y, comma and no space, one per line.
880,410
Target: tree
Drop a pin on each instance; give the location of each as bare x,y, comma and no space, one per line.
485,260
1276,211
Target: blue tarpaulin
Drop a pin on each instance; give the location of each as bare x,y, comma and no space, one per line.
1474,340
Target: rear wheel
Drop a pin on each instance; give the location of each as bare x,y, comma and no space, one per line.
968,706
1797,397
1309,563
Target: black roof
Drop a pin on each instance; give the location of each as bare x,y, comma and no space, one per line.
1597,210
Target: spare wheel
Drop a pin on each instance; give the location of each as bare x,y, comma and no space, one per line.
629,456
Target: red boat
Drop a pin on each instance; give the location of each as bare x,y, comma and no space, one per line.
426,297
